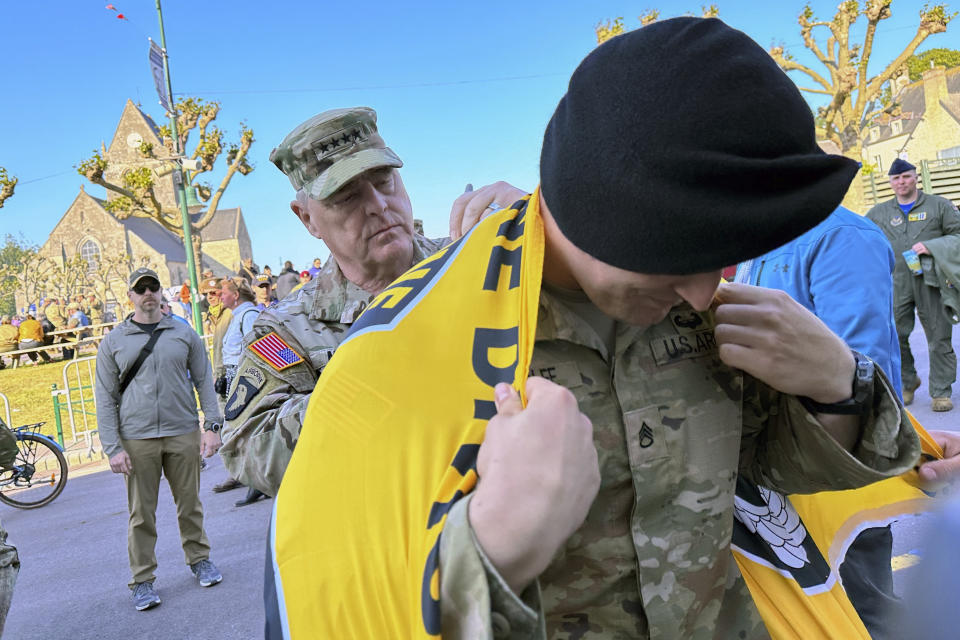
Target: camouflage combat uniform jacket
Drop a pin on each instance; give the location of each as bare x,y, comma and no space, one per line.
265,409
672,426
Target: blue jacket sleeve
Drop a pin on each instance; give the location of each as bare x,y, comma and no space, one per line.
850,276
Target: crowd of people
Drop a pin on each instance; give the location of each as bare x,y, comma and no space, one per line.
601,479
59,322
53,321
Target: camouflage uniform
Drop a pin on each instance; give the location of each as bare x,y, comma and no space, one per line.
673,426
930,217
95,312
265,410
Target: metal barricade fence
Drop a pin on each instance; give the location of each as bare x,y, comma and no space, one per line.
6,410
77,395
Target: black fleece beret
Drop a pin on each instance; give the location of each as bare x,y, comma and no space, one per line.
681,147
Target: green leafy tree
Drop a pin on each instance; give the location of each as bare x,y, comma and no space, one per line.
135,193
920,62
7,185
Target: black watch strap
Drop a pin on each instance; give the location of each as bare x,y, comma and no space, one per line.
861,399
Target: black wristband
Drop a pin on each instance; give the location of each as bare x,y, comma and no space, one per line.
861,397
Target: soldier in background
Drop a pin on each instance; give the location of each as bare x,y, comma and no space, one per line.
94,309
909,220
292,342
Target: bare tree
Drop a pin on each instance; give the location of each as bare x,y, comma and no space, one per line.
856,98
23,271
135,191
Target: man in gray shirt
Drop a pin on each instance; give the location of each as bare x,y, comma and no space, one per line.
147,368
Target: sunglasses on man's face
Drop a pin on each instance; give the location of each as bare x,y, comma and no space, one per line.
141,287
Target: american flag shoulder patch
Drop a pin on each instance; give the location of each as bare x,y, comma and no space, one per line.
276,352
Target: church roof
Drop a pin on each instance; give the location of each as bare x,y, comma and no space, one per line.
157,237
225,225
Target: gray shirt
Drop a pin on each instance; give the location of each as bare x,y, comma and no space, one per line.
159,401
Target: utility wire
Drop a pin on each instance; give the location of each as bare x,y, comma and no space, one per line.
412,85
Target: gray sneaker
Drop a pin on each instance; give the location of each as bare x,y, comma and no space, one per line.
144,597
206,573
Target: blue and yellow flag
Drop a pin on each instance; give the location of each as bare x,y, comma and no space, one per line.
386,451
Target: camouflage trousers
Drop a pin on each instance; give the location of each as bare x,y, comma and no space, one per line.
9,568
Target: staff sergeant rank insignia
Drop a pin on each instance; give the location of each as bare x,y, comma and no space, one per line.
275,351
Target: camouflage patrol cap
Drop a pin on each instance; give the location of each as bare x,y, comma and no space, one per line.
140,274
327,151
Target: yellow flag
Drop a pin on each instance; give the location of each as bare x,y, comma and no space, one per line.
391,435
791,561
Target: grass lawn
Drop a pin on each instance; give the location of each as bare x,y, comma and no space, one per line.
28,391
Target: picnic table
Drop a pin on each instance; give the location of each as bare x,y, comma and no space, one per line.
76,343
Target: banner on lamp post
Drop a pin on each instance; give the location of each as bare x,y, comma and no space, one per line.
156,68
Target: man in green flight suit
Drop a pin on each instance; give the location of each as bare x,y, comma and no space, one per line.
908,220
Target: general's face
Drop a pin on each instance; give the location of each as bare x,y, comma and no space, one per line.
145,295
904,184
368,224
634,298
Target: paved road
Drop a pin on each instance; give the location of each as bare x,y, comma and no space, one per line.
908,534
73,580
74,573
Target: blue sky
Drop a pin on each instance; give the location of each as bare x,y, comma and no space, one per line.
463,90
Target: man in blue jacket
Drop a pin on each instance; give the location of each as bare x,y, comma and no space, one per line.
841,270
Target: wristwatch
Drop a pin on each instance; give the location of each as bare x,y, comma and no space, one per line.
861,399
214,426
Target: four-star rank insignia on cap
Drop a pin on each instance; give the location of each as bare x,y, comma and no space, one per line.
275,351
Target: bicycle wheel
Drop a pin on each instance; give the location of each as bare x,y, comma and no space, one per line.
37,476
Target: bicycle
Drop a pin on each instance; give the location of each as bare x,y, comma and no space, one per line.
39,472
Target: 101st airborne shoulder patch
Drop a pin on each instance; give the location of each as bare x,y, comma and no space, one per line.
275,351
249,383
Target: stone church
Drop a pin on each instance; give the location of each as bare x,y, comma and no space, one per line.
89,230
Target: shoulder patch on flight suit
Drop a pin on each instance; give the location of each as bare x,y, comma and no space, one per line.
275,351
917,217
896,221
249,383
668,349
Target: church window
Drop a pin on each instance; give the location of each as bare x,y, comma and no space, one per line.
90,252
